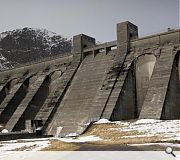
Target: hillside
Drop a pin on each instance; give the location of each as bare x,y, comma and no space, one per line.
26,45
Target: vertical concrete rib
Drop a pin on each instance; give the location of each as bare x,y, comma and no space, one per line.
158,85
117,87
51,105
12,100
4,90
126,31
171,107
32,90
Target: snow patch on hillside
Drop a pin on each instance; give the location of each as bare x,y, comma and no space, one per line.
3,35
3,62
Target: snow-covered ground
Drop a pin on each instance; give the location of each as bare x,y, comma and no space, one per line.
160,144
25,145
102,121
81,139
40,143
169,129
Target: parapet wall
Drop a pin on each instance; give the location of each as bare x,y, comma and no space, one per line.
157,40
34,68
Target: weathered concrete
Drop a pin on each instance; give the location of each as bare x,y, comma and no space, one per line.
81,94
171,109
125,33
125,107
61,85
12,100
158,85
119,80
117,87
27,101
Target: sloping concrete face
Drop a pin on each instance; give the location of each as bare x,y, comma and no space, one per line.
76,108
125,107
159,85
120,80
171,109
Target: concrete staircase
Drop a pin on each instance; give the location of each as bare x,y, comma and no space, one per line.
78,104
117,86
158,86
25,102
106,97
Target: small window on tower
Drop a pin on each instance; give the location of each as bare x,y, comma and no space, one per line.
131,35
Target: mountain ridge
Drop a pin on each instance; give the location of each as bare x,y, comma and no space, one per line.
29,44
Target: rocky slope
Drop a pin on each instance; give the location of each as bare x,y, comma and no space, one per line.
28,44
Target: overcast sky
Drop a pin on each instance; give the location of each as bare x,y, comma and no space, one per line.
97,18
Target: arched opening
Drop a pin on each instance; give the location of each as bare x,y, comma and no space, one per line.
37,101
144,68
15,99
34,105
6,89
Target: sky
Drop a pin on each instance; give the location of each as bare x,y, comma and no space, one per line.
96,18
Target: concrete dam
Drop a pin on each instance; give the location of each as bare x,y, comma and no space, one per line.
128,78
